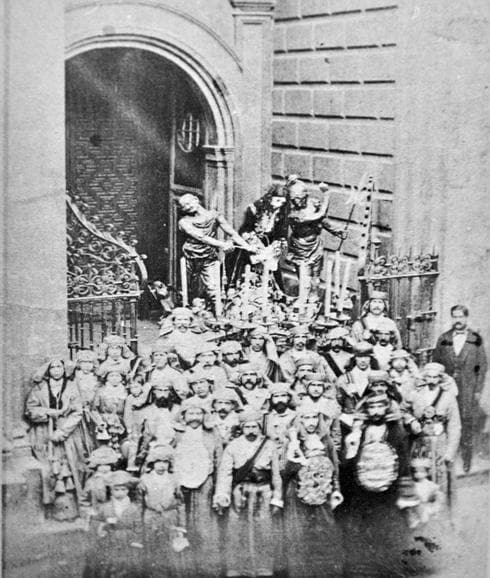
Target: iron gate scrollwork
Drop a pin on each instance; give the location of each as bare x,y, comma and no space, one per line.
105,277
410,282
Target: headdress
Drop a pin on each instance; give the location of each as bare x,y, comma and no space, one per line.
433,366
363,348
377,294
259,331
86,355
299,330
280,388
377,376
121,478
104,455
207,347
160,454
308,407
399,354
338,333
226,394
230,347
250,415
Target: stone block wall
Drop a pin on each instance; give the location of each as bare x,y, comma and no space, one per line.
334,99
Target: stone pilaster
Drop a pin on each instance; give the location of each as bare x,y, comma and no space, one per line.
254,45
33,289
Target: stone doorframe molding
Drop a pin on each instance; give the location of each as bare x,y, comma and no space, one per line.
219,165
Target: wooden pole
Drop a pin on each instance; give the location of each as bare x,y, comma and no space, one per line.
183,281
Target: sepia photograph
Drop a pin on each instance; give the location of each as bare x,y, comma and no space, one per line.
245,288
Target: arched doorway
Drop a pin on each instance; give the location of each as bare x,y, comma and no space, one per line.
138,133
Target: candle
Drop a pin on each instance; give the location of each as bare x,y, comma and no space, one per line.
246,293
336,272
328,288
265,289
302,287
343,291
219,305
183,281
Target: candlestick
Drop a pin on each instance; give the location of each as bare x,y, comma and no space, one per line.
219,304
183,281
336,272
343,291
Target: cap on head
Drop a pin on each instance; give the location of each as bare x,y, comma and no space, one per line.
230,347
226,394
121,478
378,376
363,348
207,347
181,311
251,415
280,388
433,367
86,355
399,354
299,330
103,456
338,333
307,407
259,331
114,340
317,378
377,294
160,454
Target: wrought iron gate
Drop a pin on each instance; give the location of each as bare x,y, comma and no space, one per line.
105,278
410,282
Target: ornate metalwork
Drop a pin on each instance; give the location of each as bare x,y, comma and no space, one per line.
99,263
385,267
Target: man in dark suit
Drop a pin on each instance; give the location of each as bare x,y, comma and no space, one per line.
461,352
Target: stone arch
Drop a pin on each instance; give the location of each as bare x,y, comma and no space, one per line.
216,75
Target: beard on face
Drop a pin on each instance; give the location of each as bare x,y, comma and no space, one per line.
162,402
223,413
280,406
251,437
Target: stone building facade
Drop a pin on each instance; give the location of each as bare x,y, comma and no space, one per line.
327,89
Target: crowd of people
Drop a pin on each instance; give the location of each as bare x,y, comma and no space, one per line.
251,453
258,437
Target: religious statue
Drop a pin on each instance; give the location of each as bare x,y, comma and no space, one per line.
201,243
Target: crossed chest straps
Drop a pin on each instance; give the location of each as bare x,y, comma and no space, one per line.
433,423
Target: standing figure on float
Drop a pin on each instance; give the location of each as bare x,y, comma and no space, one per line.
201,245
307,218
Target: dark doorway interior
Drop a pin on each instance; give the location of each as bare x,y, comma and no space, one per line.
124,108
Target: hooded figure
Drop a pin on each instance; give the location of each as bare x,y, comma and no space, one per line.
54,411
